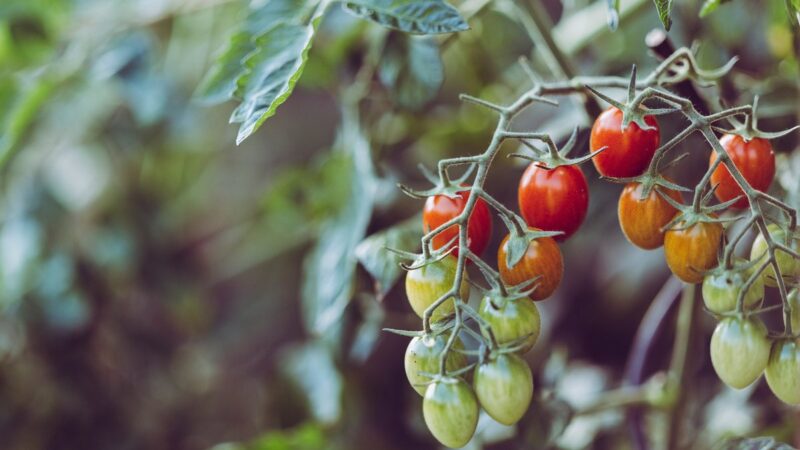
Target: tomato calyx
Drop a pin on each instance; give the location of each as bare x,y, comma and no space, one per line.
519,240
423,259
748,129
442,184
553,157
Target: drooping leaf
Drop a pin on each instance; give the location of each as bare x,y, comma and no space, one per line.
330,266
760,443
411,68
411,16
383,265
664,8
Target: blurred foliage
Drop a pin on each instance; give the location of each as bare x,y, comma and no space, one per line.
163,288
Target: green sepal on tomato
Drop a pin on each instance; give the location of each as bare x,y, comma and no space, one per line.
450,409
422,356
541,264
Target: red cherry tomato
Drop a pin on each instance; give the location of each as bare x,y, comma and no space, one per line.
754,159
554,200
629,151
440,208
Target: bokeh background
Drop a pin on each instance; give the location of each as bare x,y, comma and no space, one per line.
163,288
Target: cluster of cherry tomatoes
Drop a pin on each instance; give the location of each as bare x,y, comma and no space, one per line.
556,199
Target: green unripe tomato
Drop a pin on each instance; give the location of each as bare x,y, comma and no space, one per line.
790,267
451,411
794,302
429,283
783,371
739,350
504,387
722,288
511,320
422,355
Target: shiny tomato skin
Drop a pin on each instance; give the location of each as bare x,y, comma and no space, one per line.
450,410
789,267
629,151
783,371
754,159
554,199
543,258
504,387
739,350
428,283
641,220
512,320
721,289
422,355
693,250
440,209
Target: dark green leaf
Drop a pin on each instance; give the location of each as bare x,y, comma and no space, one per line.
411,68
760,443
330,266
383,265
664,7
411,16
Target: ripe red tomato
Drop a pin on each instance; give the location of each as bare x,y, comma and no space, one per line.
440,208
554,200
543,258
754,159
641,220
629,151
693,250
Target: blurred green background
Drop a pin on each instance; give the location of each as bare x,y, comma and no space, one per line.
163,288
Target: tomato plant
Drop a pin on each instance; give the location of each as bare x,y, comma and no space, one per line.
542,263
554,199
691,250
643,219
740,350
440,208
755,160
428,283
450,409
504,387
629,150
422,355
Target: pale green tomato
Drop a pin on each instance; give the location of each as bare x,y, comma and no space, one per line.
451,411
504,387
721,289
429,283
794,301
790,267
783,371
739,350
512,320
422,355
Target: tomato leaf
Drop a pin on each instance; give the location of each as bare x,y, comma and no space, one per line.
263,61
664,8
330,266
383,265
411,68
710,6
411,16
760,443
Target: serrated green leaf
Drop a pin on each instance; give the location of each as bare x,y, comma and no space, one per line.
664,8
760,443
411,68
383,265
410,16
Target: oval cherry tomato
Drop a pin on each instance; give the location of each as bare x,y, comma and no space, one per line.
422,355
512,320
693,250
504,387
554,200
629,151
739,350
543,258
754,159
794,302
721,289
440,209
783,371
642,219
428,283
451,411
790,267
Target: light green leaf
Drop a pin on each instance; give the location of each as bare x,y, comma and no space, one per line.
330,266
383,265
664,8
411,68
411,16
